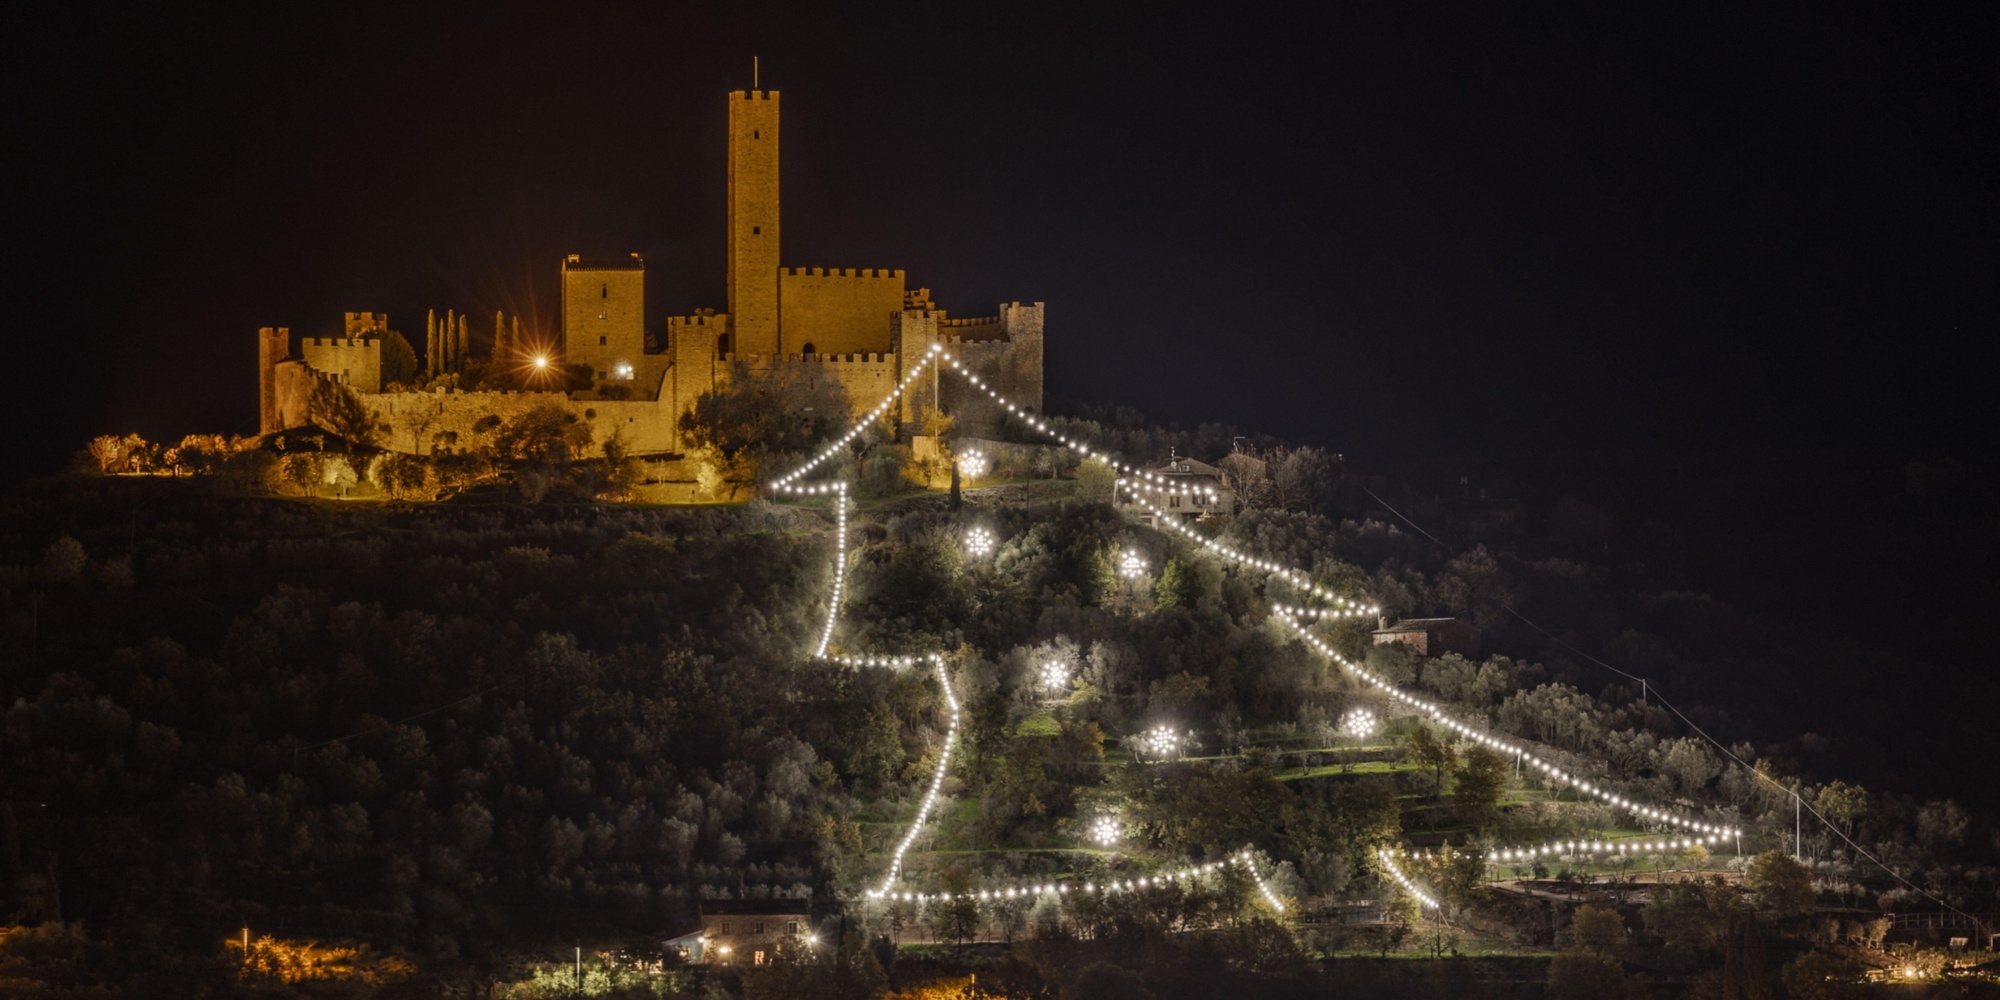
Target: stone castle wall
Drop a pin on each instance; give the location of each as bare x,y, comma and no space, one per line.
423,422
354,362
837,311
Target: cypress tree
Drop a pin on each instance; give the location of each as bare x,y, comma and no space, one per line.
499,335
431,342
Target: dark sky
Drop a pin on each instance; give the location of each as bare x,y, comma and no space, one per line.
1412,227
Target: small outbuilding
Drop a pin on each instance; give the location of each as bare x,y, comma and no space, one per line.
749,931
1431,636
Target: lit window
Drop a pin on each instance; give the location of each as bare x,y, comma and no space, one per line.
760,958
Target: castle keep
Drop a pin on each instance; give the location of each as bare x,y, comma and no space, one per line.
863,328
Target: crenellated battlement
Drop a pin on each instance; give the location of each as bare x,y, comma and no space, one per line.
340,341
720,319
753,95
828,360
878,274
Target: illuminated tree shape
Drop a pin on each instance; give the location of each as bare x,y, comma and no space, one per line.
1054,678
972,465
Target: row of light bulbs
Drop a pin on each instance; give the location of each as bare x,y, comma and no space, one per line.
1389,862
1061,889
784,483
839,568
1170,487
1437,713
1564,847
1343,607
937,779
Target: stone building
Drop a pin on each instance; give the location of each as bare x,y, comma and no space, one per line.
1431,636
748,931
862,327
1182,487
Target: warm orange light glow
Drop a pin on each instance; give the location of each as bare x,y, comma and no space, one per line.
541,361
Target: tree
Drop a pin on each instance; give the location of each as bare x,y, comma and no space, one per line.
399,360
1597,929
787,408
1691,763
63,561
1585,975
1694,915
1179,586
1433,755
336,408
1815,975
1105,981
958,913
1780,885
1482,776
1842,804
1094,480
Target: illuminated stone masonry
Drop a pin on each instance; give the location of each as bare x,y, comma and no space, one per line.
864,328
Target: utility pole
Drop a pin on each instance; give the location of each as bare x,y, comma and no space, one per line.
579,968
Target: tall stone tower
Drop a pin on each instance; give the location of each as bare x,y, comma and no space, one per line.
753,221
273,346
604,314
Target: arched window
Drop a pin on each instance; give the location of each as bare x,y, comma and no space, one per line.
607,291
809,347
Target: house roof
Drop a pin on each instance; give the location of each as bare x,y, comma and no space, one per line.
755,907
1185,467
1420,625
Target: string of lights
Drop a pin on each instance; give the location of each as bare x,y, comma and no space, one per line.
937,780
1346,606
839,568
1554,773
784,483
1064,888
980,541
1395,872
1569,848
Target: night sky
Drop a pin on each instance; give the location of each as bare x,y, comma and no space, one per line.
1439,230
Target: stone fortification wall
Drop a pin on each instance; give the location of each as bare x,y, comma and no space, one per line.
274,346
353,362
422,422
1005,350
836,310
867,378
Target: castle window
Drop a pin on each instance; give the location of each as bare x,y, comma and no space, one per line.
600,314
606,293
756,230
755,134
809,347
601,341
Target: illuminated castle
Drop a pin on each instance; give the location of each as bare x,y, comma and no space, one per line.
861,327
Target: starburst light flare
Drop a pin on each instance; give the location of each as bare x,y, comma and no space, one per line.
1162,742
979,541
1054,677
972,465
1132,565
1105,831
1357,724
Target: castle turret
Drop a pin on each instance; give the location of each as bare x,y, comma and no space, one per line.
753,221
273,346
